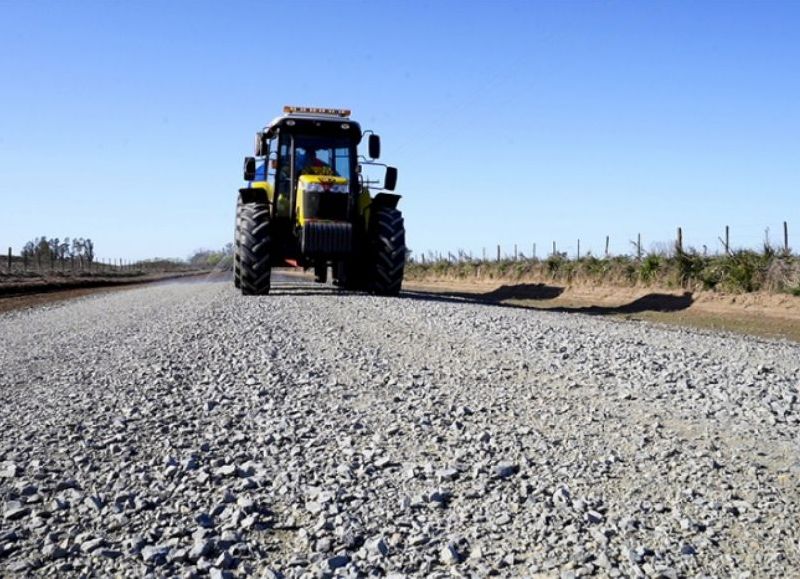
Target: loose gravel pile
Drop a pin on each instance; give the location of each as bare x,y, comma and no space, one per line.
185,430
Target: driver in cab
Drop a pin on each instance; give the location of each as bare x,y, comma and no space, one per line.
309,164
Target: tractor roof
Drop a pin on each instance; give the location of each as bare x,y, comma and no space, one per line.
311,120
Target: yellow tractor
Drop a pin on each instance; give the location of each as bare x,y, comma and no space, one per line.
307,204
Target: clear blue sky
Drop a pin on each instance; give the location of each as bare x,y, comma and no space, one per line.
510,122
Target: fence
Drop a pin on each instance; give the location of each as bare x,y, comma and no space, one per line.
39,264
636,245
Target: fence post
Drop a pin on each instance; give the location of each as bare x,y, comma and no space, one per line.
579,249
498,252
679,245
606,246
9,260
785,239
554,249
727,239
534,251
515,252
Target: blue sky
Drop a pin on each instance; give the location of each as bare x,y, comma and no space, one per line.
510,122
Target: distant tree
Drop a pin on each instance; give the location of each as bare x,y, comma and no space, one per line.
55,245
88,246
43,248
29,250
63,250
212,258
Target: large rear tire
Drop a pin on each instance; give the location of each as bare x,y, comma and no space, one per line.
387,234
254,249
237,268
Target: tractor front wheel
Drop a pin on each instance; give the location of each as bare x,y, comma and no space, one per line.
254,249
387,234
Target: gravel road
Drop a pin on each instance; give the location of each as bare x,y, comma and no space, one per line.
182,429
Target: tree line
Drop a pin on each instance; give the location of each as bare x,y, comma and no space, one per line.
212,257
42,249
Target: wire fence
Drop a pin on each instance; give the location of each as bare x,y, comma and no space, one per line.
12,264
520,253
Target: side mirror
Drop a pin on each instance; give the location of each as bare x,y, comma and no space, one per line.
260,148
390,181
249,169
374,147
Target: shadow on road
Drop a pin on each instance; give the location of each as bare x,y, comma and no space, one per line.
654,302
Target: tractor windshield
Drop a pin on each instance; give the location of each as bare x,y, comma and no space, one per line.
322,156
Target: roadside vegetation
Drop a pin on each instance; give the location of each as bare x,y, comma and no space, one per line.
740,271
52,258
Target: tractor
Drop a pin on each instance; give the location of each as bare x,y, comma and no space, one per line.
308,204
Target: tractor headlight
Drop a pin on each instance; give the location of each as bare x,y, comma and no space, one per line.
323,188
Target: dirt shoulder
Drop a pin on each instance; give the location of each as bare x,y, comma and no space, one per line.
760,314
19,293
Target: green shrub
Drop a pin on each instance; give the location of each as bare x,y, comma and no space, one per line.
649,267
553,264
689,265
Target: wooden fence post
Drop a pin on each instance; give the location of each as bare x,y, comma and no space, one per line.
579,250
727,239
515,252
639,246
498,252
534,251
785,238
9,260
554,249
606,246
679,245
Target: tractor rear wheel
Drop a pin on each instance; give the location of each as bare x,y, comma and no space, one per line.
388,244
254,249
236,265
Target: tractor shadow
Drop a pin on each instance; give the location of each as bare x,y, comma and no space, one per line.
653,302
303,289
532,296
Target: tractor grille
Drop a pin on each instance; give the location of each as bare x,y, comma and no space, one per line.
325,205
326,238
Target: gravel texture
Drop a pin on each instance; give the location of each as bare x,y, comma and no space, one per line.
182,429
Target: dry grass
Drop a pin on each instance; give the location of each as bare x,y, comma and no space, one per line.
741,272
